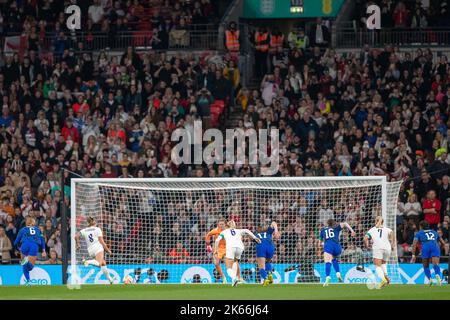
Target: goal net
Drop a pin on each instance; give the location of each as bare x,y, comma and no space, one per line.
156,228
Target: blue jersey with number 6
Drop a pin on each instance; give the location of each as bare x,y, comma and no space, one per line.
429,240
30,238
266,248
330,237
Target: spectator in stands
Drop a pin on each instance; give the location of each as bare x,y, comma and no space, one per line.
406,238
400,15
325,213
53,258
261,40
5,247
178,254
54,243
232,39
432,209
413,209
445,230
320,35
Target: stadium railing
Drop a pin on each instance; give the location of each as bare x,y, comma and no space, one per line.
199,36
352,38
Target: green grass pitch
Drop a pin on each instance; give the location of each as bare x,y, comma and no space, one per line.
226,292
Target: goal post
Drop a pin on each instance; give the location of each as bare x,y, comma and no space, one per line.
156,228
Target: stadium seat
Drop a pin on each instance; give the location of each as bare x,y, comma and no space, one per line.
142,38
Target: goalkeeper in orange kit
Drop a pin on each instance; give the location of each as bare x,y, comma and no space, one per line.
220,253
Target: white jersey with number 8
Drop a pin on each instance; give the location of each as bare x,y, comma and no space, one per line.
91,236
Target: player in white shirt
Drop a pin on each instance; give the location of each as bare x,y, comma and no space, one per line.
96,246
382,239
234,248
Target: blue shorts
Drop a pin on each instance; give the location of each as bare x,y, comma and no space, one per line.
29,249
430,251
332,248
265,251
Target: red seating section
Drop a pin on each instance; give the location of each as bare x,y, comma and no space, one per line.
217,109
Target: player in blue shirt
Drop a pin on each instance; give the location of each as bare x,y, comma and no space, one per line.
29,238
430,241
332,248
265,251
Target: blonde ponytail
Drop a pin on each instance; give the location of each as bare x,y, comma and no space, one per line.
379,221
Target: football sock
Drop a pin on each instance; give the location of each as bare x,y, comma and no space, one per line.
263,274
219,270
384,266
335,265
26,272
231,274
234,269
437,270
327,269
427,272
380,272
105,272
30,266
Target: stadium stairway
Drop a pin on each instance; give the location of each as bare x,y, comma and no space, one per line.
236,113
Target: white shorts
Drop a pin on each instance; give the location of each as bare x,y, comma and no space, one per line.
383,254
95,249
234,253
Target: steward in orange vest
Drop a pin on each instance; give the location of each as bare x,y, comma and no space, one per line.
262,41
276,41
232,38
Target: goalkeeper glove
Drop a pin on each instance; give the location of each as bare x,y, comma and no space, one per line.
209,249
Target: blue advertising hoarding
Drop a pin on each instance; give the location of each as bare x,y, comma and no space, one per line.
203,273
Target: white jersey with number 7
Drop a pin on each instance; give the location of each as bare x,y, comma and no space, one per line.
380,238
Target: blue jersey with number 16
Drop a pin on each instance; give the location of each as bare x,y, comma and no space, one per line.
330,234
330,237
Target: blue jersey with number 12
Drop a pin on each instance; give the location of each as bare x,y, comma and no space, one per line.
430,245
427,237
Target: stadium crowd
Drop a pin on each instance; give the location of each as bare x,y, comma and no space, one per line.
160,24
34,18
374,112
406,14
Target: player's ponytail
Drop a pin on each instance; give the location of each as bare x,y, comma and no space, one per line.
379,221
232,224
90,221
